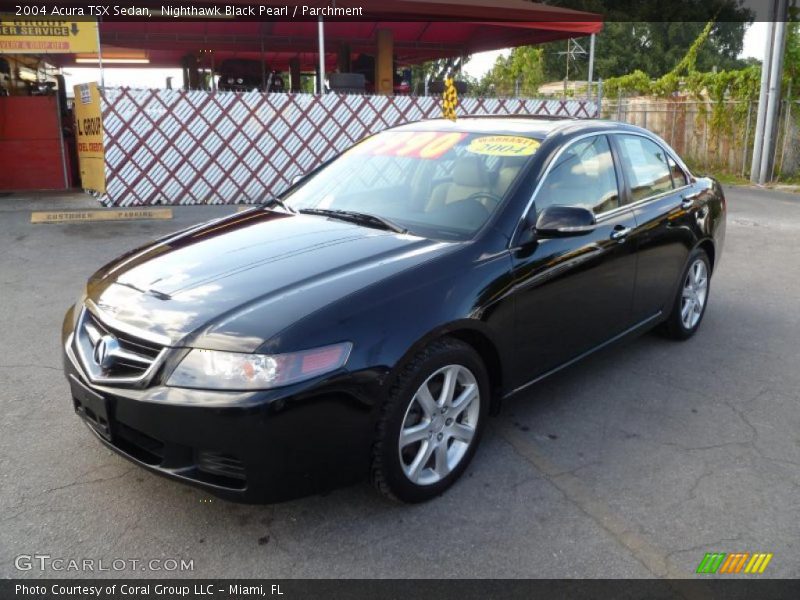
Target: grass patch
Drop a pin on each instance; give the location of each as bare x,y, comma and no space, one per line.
728,179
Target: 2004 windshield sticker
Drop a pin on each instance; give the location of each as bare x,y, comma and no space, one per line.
503,145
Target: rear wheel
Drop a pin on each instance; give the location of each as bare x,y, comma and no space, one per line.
431,423
690,304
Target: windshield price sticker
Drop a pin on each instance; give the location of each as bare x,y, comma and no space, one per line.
416,144
503,145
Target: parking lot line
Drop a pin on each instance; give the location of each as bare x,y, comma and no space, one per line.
108,214
576,492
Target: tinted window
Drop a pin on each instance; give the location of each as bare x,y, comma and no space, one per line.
646,165
678,176
582,176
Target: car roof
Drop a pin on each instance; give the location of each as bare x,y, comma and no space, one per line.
532,126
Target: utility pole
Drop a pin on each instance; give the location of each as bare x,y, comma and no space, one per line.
769,94
761,113
773,106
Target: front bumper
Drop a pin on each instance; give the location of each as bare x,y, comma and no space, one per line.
257,447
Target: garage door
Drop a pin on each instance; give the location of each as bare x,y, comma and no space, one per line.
30,144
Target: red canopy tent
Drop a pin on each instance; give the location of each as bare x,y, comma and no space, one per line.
421,31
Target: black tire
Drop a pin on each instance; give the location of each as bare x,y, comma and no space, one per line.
674,326
387,472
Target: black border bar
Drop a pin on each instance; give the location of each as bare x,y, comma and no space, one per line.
376,10
399,589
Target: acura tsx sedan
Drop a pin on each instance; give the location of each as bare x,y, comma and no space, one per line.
367,322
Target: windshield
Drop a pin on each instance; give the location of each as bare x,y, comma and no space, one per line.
441,185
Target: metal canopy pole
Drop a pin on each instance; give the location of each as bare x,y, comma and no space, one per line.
591,68
213,69
321,36
100,56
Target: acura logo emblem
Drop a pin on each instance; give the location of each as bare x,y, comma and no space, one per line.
105,351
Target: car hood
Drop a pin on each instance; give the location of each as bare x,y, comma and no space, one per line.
234,283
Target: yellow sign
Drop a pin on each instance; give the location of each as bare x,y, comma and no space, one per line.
503,145
29,35
89,137
117,214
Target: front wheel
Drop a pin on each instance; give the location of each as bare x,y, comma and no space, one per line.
690,304
431,423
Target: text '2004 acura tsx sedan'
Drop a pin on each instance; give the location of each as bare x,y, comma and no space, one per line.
368,321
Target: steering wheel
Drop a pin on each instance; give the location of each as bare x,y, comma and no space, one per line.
489,195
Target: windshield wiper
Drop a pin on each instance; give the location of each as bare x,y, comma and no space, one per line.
272,200
356,217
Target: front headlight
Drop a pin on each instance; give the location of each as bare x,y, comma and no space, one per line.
215,370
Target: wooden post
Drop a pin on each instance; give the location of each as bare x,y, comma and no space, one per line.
746,137
674,117
785,129
384,63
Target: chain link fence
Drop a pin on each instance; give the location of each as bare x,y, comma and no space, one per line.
712,137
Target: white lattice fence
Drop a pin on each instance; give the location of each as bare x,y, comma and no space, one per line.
177,147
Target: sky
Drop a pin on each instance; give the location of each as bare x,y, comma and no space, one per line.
754,40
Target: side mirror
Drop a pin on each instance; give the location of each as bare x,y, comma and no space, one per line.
565,221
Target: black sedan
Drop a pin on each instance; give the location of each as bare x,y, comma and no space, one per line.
368,321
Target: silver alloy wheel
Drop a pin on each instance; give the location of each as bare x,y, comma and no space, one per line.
695,292
439,424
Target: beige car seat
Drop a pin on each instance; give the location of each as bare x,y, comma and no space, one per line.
509,170
578,183
469,177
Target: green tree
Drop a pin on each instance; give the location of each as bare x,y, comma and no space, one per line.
653,48
791,60
521,72
653,36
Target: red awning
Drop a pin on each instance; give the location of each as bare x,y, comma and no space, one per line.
422,31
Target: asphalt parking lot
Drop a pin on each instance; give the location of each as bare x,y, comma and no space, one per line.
633,463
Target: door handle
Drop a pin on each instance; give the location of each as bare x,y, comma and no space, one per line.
687,203
620,233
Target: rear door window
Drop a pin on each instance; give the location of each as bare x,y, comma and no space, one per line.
645,164
678,176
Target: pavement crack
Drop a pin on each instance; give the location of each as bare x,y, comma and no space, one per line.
707,472
89,482
579,468
686,448
703,546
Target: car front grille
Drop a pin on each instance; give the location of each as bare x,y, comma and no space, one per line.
134,358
